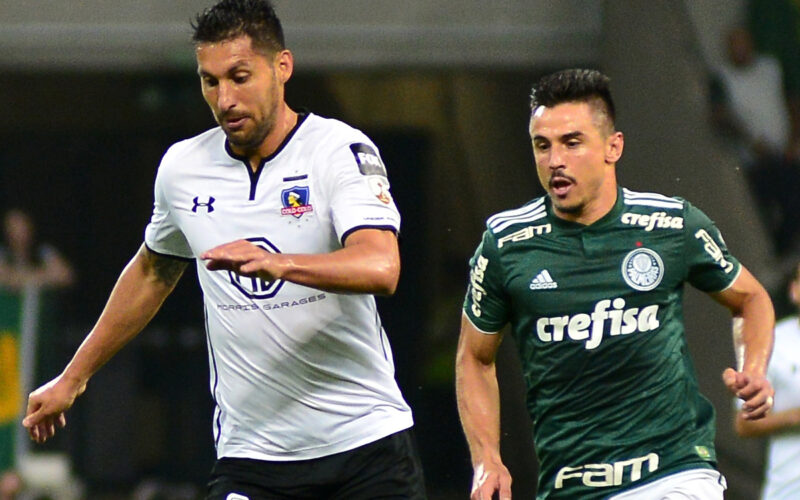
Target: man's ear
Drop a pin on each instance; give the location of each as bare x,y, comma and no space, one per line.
614,146
284,65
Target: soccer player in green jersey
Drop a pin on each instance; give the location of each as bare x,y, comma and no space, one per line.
590,278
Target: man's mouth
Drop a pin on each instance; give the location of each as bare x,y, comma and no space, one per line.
560,185
234,122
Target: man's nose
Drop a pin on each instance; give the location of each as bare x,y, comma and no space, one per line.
226,97
556,158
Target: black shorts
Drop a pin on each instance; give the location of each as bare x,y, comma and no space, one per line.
388,468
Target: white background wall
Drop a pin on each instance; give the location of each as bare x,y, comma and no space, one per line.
336,33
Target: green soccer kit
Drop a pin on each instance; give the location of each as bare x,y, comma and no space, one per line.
596,312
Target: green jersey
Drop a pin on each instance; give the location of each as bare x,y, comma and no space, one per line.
596,312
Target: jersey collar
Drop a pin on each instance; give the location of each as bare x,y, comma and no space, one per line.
254,176
603,221
301,117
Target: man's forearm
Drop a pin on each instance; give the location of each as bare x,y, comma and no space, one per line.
479,408
368,263
757,324
781,422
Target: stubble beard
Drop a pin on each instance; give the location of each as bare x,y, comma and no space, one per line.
251,141
575,209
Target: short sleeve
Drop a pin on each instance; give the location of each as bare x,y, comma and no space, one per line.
162,234
486,303
711,267
359,194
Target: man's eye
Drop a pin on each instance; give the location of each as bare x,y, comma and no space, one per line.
241,78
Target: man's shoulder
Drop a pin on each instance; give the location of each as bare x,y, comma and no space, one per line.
209,142
641,201
516,218
329,131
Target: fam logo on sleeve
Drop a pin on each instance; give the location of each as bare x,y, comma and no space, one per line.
370,164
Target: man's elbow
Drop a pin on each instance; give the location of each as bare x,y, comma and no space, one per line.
387,276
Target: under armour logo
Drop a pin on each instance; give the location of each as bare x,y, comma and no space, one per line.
209,205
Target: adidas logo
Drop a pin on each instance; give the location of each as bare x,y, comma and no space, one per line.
543,281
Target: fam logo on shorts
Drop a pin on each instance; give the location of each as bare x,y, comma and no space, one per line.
256,288
295,201
642,269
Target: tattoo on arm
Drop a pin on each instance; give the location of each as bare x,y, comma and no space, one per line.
167,270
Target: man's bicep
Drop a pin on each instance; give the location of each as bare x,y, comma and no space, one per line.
163,269
477,345
743,288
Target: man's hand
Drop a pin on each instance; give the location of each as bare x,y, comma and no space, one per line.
755,390
241,257
46,407
490,478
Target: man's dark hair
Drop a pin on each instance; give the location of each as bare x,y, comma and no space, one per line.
574,85
230,19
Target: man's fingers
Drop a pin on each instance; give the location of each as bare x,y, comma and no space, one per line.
35,415
734,380
505,488
42,433
757,406
757,389
485,492
236,250
486,483
37,433
729,377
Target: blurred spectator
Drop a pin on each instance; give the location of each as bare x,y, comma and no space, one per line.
749,107
775,26
25,265
782,425
25,261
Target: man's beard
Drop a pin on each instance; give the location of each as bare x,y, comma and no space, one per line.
253,140
569,209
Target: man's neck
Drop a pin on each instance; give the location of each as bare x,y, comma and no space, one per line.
593,211
284,124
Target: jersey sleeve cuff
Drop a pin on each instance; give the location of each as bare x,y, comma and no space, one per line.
486,332
731,282
384,227
168,255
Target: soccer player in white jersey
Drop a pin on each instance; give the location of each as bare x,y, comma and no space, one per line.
289,218
782,426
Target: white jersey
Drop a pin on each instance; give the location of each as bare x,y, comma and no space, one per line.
296,373
782,476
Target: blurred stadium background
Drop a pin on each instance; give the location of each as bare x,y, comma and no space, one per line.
94,91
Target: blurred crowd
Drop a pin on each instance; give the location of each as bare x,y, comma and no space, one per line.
755,105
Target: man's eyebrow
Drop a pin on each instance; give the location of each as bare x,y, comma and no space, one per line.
571,135
234,68
564,137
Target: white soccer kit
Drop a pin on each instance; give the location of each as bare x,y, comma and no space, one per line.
296,373
782,475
